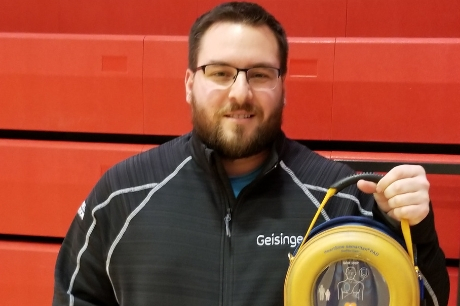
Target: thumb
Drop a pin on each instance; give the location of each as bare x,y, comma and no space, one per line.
370,187
367,186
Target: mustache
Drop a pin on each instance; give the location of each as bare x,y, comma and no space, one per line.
233,107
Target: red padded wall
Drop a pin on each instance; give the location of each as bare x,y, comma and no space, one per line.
307,18
44,182
403,18
30,16
159,17
26,273
174,17
309,84
385,86
165,110
454,279
76,83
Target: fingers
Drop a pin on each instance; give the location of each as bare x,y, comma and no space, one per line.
370,187
413,213
403,193
399,173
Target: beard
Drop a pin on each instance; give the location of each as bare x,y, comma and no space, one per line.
238,145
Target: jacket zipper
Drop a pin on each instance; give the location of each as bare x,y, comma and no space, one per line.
227,261
227,257
228,216
227,219
226,250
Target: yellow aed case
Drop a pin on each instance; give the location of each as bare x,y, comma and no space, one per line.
352,261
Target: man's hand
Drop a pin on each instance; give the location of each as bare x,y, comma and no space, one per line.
402,193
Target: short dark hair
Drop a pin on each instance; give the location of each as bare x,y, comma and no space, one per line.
238,12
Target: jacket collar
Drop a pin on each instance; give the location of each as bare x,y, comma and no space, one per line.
208,159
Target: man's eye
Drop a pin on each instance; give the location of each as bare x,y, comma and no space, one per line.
260,76
220,74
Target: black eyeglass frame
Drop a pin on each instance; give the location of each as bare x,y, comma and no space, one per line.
245,70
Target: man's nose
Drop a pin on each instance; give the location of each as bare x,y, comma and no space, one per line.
240,91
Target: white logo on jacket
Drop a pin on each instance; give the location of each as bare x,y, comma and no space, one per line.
81,210
279,239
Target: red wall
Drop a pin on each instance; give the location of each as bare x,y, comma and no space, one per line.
301,18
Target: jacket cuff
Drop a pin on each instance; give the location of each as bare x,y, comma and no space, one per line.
425,231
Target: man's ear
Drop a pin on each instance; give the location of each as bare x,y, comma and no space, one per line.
284,93
189,75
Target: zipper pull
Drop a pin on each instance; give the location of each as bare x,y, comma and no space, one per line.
227,219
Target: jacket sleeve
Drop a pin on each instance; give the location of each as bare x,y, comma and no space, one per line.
428,255
80,274
431,259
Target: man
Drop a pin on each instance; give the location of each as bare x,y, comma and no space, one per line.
186,223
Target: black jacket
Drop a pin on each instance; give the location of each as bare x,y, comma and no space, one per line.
164,228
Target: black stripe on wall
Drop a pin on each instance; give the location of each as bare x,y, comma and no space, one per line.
430,168
316,145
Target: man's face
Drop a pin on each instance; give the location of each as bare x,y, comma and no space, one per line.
238,121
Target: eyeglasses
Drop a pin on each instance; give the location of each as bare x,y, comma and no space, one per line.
223,76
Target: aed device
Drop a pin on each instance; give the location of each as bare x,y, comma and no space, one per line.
352,261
